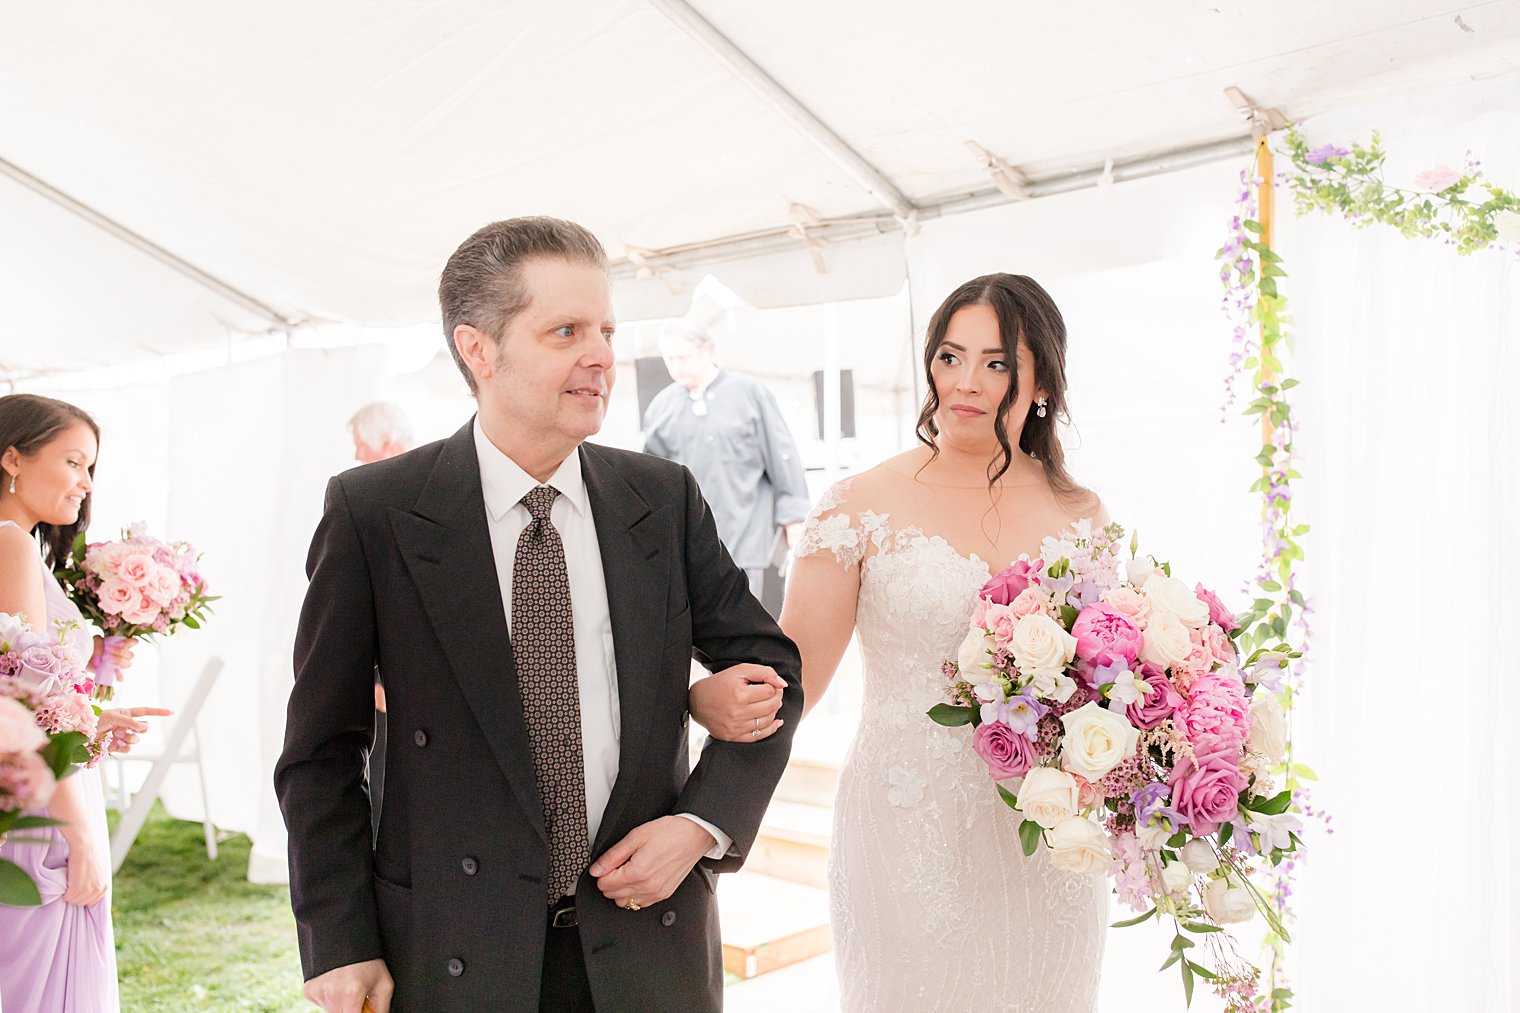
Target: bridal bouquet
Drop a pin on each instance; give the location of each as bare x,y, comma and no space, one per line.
134,587
47,725
1113,710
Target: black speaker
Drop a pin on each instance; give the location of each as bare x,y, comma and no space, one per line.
650,377
846,401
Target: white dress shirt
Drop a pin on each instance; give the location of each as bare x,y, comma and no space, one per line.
503,484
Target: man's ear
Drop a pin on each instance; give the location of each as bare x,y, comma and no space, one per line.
477,349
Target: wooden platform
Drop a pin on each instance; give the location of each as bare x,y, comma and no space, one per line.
770,923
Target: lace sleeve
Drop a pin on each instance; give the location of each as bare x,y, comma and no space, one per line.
833,527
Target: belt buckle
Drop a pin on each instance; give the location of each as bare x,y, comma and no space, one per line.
564,916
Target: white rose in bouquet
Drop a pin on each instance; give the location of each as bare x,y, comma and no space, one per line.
1226,903
1177,877
1096,741
1040,644
1172,596
1077,844
1165,641
1048,796
1199,856
1141,569
974,659
1269,727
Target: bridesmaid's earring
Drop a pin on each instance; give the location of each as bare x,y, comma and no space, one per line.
13,485
1040,404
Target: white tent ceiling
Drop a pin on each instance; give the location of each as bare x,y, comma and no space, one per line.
322,159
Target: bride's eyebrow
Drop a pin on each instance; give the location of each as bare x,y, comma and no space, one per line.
961,348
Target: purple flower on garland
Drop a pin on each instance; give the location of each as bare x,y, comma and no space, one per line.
1325,152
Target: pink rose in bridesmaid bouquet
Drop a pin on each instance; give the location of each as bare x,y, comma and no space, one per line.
1218,614
1105,635
1156,706
1006,585
1002,622
137,570
1206,786
1006,752
116,595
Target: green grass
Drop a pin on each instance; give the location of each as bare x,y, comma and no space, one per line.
192,934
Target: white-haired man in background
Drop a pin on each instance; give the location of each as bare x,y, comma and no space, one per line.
381,430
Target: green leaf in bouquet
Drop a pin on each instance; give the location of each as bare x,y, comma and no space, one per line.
1177,840
1029,836
77,550
1166,568
65,750
1133,921
1303,772
1201,927
1187,981
1226,830
1008,797
950,715
1274,806
16,821
1269,585
1251,226
1068,616
190,621
16,887
1204,972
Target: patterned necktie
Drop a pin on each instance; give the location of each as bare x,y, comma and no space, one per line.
543,647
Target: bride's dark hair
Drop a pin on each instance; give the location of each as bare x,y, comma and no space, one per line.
1024,312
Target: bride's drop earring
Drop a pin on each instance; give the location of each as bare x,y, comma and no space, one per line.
1040,404
13,485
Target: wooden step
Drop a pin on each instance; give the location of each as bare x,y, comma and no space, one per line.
770,923
793,844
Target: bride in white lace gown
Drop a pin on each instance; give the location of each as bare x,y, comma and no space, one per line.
934,905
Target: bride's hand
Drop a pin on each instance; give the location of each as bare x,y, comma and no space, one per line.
738,704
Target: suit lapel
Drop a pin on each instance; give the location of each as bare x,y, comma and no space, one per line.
446,545
632,537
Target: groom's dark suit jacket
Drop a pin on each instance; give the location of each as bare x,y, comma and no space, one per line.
452,893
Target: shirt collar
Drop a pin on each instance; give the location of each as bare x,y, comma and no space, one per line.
503,483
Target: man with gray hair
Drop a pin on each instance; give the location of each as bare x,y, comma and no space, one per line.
728,429
380,430
533,602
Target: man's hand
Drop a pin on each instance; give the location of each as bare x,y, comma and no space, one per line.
646,866
738,704
345,989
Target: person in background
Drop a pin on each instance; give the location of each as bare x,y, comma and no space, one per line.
381,430
728,429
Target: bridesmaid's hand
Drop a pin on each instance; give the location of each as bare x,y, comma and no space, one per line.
738,704
119,652
89,877
124,728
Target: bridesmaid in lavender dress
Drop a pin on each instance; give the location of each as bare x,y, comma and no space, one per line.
59,957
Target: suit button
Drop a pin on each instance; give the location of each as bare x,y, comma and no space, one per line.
668,919
419,737
456,967
469,865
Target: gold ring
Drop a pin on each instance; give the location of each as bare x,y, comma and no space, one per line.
632,905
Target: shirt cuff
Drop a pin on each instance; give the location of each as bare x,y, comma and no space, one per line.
725,846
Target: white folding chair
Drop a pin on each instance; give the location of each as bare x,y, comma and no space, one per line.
182,744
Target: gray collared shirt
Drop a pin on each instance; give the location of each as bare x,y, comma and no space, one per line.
739,447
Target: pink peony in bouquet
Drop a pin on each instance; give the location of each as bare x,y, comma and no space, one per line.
1113,710
47,726
135,587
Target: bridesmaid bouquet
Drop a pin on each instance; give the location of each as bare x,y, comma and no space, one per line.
1115,713
47,726
134,587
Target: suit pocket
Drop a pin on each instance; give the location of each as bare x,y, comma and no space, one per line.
393,907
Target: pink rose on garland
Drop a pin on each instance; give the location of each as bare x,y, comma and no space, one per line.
1440,178
1105,635
1007,584
1006,752
1206,786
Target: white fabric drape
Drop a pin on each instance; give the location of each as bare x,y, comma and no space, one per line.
1410,449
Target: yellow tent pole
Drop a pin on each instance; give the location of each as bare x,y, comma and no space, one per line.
1265,213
